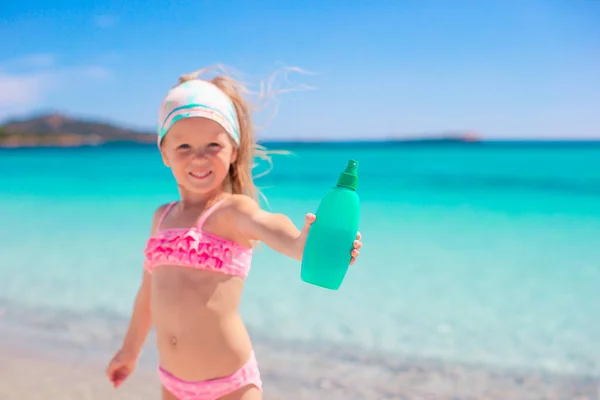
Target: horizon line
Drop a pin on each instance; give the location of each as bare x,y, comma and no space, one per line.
467,136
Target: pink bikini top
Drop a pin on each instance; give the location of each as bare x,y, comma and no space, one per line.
195,248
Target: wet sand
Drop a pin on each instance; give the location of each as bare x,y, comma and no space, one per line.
295,373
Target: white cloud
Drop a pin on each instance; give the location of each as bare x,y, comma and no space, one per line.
32,60
19,90
25,81
105,20
20,93
96,72
38,60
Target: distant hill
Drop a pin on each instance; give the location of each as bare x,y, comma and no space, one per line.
58,130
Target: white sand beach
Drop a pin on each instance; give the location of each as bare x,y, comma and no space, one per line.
288,373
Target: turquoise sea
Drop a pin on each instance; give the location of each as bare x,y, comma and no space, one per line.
485,253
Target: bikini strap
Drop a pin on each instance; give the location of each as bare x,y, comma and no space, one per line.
207,213
164,215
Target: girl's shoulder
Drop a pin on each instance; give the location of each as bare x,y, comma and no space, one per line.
159,214
236,208
160,210
241,202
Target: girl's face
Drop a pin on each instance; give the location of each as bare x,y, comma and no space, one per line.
199,153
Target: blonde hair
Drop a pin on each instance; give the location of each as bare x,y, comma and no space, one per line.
240,178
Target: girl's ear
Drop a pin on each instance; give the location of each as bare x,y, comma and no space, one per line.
234,155
164,158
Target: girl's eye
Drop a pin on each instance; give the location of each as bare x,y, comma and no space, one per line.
183,146
214,145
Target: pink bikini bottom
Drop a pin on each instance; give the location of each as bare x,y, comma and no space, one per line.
215,388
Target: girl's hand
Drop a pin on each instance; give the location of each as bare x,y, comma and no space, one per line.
356,247
120,367
311,218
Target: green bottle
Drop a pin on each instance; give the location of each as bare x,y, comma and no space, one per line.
330,240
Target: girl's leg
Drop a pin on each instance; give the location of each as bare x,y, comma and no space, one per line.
166,395
249,392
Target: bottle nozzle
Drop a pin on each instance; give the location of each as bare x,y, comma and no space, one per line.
349,178
351,167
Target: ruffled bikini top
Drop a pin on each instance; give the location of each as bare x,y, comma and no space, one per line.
195,248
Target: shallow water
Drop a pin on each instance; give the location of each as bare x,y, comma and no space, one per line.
471,254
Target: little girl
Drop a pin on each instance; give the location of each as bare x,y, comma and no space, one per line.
200,249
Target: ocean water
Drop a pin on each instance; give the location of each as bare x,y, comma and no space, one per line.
472,253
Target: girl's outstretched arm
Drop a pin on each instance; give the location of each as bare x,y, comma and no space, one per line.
275,230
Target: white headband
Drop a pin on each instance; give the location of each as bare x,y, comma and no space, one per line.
198,98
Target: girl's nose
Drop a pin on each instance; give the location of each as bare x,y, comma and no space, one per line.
200,154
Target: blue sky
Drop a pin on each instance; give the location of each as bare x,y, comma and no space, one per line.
512,69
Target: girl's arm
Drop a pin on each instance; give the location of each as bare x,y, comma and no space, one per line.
141,320
275,230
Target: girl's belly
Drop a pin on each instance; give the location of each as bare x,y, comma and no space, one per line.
200,334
